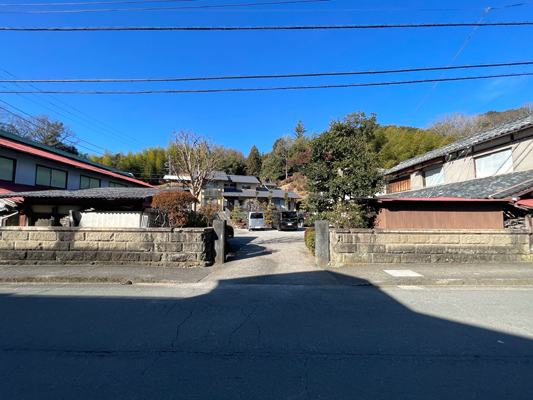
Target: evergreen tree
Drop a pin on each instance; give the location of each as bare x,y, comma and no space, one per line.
342,167
253,162
299,130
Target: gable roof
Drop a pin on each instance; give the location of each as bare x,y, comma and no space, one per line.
243,179
493,187
28,146
500,130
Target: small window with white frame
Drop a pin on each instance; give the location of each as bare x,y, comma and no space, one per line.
434,176
114,184
496,163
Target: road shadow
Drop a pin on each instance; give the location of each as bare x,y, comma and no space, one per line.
251,341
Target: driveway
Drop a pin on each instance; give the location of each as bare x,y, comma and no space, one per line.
270,257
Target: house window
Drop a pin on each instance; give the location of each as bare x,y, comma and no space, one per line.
230,186
88,182
246,186
210,185
113,184
434,176
494,164
7,169
399,186
51,177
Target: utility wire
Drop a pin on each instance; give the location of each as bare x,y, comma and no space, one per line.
260,28
165,8
54,111
83,119
37,126
466,78
269,76
437,81
90,4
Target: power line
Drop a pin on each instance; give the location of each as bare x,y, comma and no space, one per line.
37,126
449,66
61,108
275,88
260,28
436,82
166,8
90,4
269,76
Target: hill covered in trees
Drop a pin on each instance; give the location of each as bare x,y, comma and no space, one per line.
289,155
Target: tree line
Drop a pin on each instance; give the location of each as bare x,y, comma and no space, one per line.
290,154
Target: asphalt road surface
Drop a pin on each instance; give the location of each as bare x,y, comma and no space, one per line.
236,339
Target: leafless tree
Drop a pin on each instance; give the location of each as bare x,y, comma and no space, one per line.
461,125
41,128
196,160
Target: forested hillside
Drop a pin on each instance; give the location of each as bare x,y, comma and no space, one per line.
289,155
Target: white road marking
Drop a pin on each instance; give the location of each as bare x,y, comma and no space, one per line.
401,272
411,287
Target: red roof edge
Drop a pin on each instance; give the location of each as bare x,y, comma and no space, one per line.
454,199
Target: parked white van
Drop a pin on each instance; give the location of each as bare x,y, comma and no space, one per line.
256,220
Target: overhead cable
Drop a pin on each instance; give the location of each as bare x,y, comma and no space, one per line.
104,131
260,28
273,88
166,8
95,3
268,76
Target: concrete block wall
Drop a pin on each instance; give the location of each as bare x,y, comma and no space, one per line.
133,246
353,246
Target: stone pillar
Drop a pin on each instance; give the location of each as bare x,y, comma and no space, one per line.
220,241
322,243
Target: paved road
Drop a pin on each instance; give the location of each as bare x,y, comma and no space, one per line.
239,340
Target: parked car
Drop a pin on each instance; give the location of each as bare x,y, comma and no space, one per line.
256,220
285,220
302,220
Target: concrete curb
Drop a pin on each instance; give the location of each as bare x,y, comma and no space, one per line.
399,282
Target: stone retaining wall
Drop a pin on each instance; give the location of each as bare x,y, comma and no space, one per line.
352,246
134,246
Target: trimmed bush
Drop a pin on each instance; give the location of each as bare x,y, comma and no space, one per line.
309,238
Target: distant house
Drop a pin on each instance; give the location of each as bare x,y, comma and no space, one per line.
29,166
229,191
478,182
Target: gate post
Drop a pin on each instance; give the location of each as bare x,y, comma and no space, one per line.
322,243
220,241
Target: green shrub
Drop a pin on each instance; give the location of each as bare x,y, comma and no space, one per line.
309,238
237,214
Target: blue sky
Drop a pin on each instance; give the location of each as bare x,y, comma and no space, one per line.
240,120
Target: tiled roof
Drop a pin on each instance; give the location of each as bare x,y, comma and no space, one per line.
500,130
243,179
262,193
496,187
95,193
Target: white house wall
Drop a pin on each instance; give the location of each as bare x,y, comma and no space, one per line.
460,168
26,170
